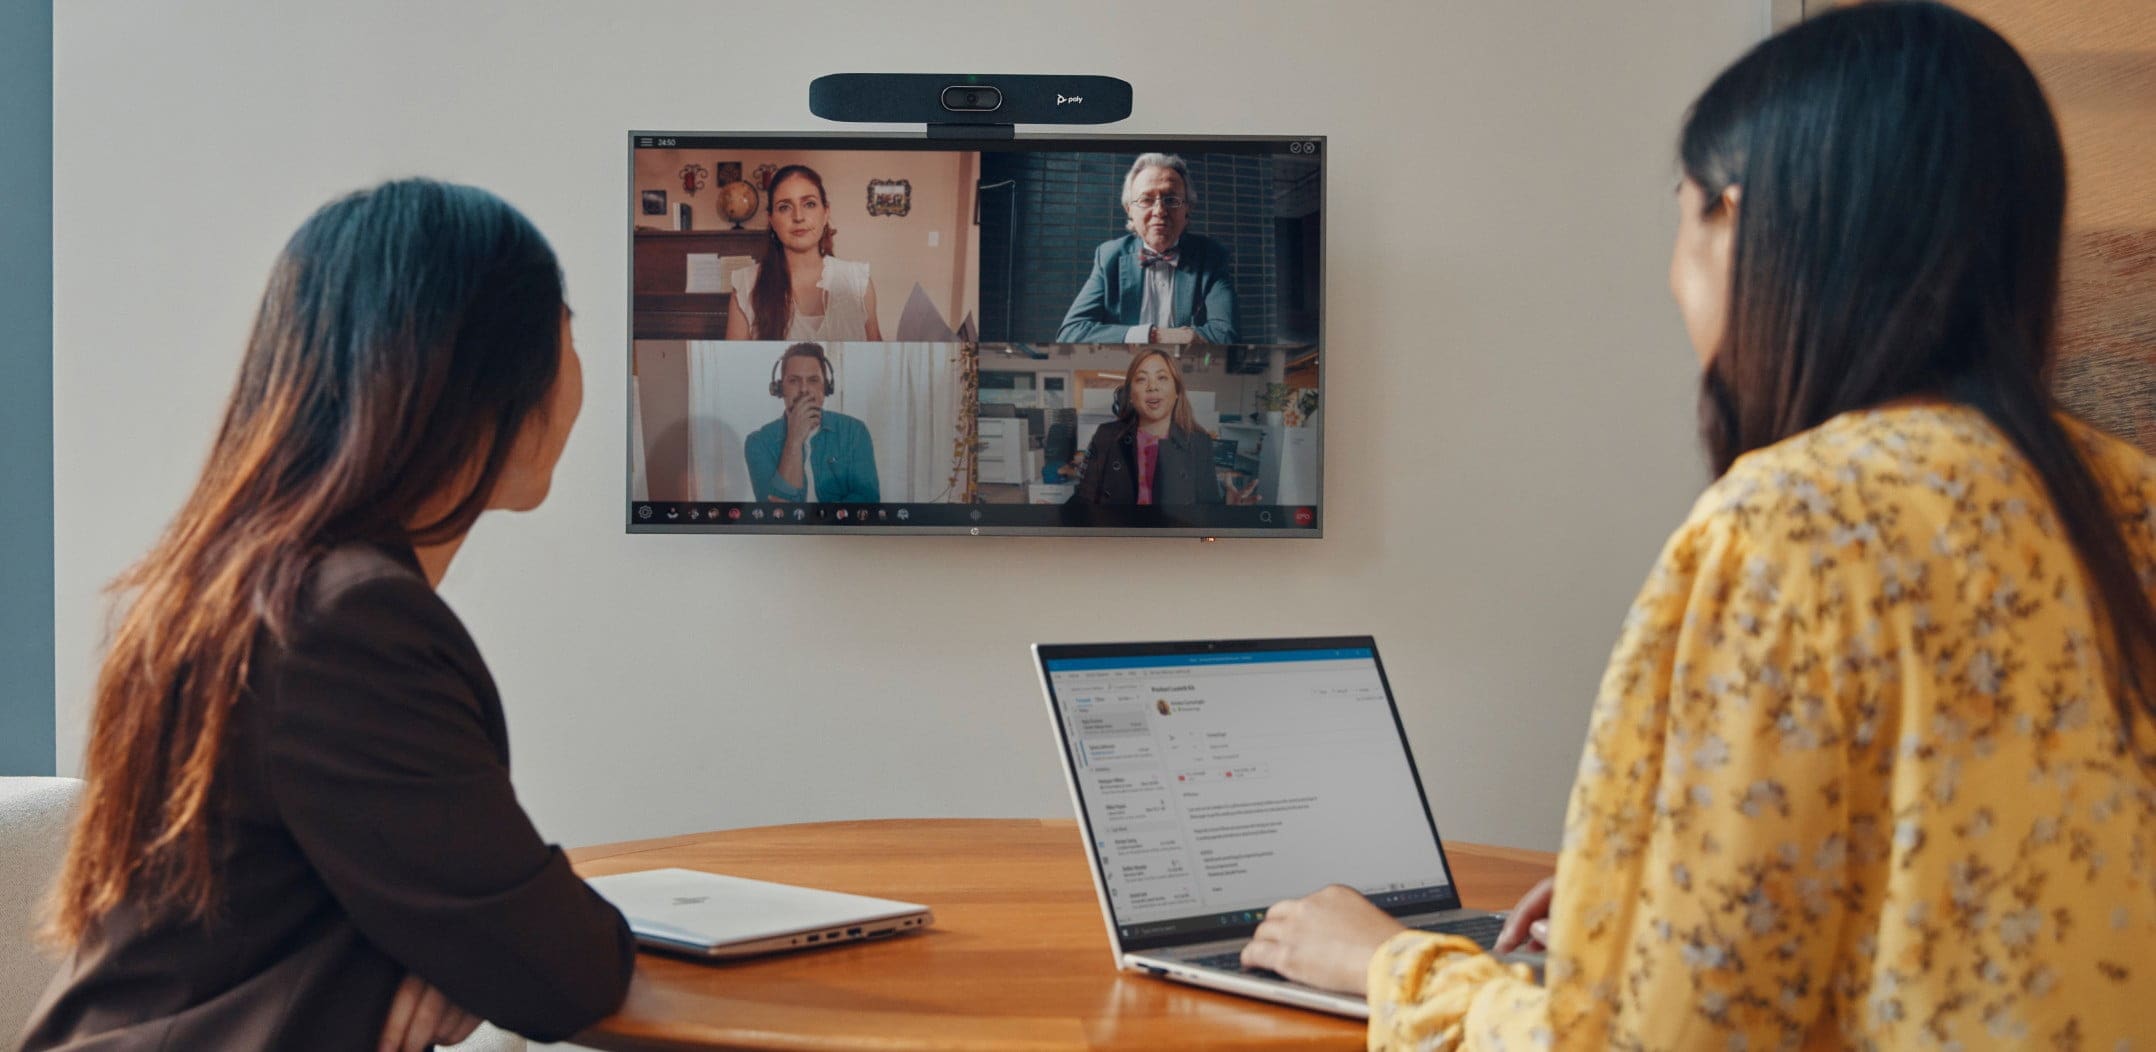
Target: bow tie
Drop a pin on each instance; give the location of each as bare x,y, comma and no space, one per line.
1147,257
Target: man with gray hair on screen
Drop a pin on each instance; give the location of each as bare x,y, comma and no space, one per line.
1159,283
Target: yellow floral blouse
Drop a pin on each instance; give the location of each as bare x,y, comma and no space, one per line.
1852,780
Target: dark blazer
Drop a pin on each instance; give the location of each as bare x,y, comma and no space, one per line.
1114,293
1184,474
372,832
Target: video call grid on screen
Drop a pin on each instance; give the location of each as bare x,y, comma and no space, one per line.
961,363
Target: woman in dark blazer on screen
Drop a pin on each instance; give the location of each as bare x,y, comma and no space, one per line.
298,829
1153,452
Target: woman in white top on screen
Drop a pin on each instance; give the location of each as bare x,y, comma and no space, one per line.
800,291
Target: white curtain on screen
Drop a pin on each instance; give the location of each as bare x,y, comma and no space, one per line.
906,394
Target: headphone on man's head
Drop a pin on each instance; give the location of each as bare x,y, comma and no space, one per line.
814,350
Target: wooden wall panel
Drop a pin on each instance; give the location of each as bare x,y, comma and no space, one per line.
2097,61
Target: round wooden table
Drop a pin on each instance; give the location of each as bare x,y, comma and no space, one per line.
1018,957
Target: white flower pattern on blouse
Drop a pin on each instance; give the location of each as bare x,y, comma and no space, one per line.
1852,780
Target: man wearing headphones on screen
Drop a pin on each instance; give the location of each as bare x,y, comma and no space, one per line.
810,453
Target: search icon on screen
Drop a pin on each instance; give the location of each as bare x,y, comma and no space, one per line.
1265,517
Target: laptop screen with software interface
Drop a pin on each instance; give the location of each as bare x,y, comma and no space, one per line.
1220,778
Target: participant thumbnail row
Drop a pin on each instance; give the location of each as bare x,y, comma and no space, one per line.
806,422
912,246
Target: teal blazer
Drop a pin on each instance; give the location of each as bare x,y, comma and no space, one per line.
1114,293
841,456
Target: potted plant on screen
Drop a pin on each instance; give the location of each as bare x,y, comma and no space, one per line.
1273,402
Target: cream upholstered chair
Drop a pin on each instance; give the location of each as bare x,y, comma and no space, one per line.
34,814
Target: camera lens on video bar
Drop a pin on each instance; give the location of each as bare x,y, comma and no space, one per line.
978,100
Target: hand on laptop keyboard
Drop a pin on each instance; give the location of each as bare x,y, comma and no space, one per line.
1481,930
1233,962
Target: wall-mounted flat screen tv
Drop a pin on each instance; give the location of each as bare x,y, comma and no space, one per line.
1059,335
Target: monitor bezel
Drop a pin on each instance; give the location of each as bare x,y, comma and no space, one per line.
957,143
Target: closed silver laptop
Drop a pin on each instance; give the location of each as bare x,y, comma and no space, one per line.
1213,779
710,915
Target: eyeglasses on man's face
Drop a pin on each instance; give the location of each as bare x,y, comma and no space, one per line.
1169,202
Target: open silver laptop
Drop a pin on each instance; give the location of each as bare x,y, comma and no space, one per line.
710,915
1213,779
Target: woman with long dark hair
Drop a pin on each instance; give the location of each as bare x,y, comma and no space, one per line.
1872,763
298,829
799,290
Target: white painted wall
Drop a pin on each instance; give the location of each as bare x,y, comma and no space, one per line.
1508,392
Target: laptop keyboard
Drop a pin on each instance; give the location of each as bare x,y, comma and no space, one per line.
1232,961
1481,930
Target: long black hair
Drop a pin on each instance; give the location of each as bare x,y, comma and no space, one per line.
408,335
1901,194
